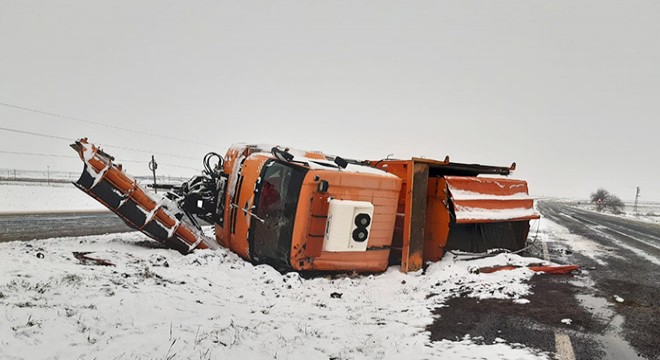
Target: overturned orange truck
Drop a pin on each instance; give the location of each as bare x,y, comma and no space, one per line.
304,210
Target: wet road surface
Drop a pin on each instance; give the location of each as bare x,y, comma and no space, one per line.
601,327
49,225
631,272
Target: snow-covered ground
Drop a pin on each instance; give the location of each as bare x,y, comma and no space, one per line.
14,174
649,212
24,197
43,175
550,231
157,304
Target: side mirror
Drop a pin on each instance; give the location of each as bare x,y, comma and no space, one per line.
341,162
323,186
281,154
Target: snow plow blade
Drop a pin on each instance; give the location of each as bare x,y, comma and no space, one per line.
161,220
488,213
478,199
548,269
446,206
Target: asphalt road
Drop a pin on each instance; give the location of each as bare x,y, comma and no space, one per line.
600,327
630,270
49,225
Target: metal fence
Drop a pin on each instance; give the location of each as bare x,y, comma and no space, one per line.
55,176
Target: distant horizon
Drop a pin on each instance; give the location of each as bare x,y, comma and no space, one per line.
5,175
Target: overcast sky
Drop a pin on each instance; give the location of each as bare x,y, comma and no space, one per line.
570,90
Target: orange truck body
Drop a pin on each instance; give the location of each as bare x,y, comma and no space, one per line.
312,211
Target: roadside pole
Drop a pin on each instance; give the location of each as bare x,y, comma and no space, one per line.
153,166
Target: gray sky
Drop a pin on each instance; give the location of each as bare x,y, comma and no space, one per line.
568,90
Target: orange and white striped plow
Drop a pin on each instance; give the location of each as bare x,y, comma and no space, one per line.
483,200
161,220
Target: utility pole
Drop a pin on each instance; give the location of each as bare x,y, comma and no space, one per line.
153,166
636,200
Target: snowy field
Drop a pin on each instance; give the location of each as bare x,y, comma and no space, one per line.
40,196
25,197
646,211
69,176
153,303
157,304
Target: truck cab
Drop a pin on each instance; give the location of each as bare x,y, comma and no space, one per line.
302,211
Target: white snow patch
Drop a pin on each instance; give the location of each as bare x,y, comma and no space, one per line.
647,212
566,321
472,213
317,164
156,303
618,298
459,194
553,232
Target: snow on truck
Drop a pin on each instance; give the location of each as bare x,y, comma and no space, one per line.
305,210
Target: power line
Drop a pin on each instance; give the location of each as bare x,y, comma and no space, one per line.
132,131
149,152
108,145
36,154
76,157
35,134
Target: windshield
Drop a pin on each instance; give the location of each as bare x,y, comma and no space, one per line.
276,200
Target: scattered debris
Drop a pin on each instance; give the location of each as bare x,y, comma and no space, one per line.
336,295
565,251
40,255
566,321
557,270
86,260
618,298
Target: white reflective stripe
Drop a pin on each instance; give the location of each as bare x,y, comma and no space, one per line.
128,196
203,238
171,232
196,243
100,174
152,213
564,347
546,253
